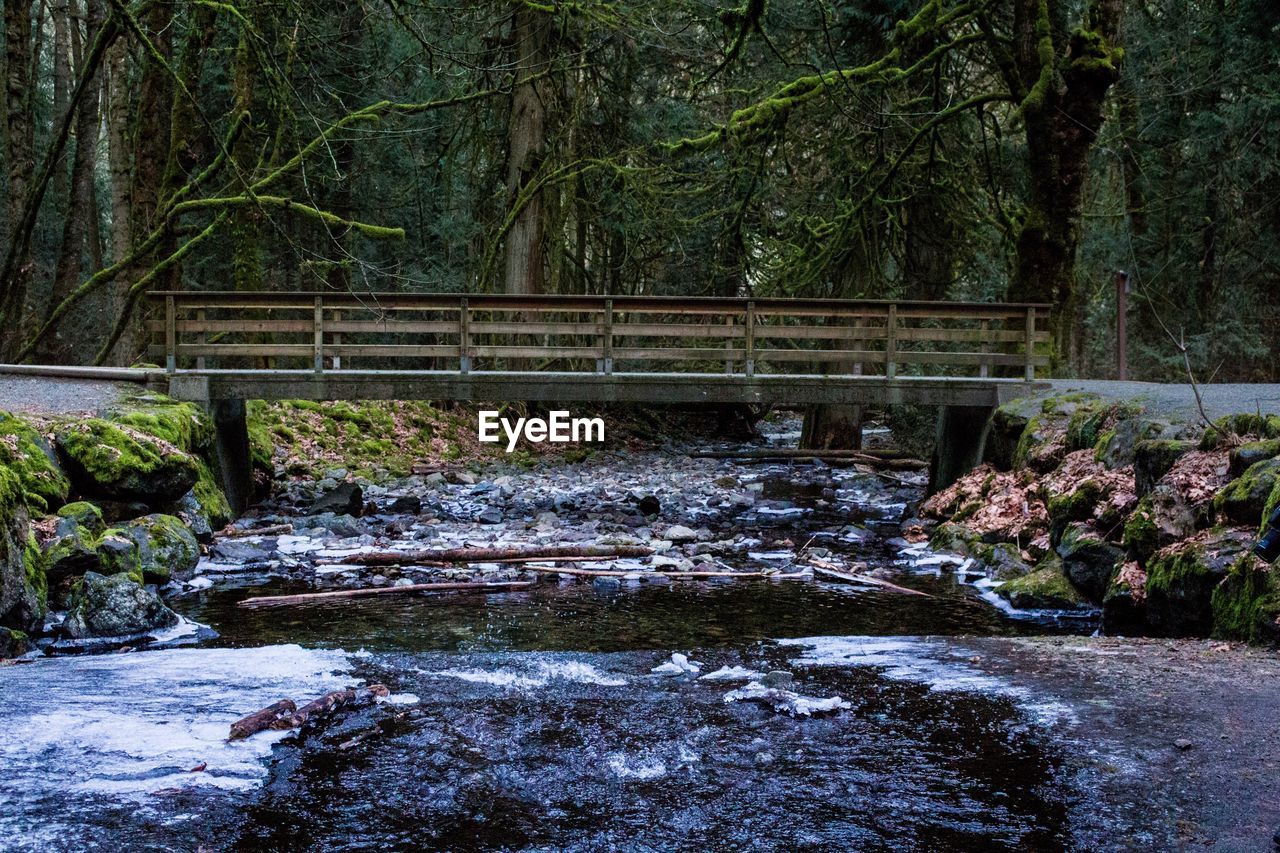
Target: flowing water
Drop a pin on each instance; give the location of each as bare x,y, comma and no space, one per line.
783,713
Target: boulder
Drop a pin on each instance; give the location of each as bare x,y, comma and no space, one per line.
1244,498
1007,424
1045,588
1088,560
1153,458
115,606
118,554
678,533
406,505
124,463
1161,518
1182,577
1003,561
23,584
339,525
165,546
343,499
73,549
13,643
1123,607
1246,604
1251,453
26,453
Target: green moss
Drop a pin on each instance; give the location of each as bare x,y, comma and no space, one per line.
26,453
1246,604
1076,505
119,554
183,425
1239,425
1046,588
121,462
1140,534
209,495
36,567
1244,498
85,514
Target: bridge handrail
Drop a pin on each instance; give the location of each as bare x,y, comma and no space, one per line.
847,335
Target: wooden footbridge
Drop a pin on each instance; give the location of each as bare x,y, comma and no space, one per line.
331,346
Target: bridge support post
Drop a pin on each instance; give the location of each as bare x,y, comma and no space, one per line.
231,447
961,436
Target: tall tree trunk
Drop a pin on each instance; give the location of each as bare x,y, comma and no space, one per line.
19,139
526,139
118,155
1064,77
80,207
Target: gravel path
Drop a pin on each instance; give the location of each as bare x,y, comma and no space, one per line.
1177,400
42,395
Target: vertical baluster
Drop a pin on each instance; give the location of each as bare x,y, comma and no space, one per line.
1031,344
728,344
317,329
607,335
749,363
170,334
891,342
464,337
337,340
202,338
984,335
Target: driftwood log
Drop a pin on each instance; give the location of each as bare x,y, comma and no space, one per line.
847,457
824,568
261,720
488,555
617,573
365,592
233,532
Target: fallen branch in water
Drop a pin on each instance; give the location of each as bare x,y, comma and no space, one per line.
617,573
261,720
824,568
233,532
487,555
305,597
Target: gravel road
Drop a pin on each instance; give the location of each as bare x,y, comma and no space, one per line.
41,395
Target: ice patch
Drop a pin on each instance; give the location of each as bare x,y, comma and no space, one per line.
785,701
635,767
678,665
934,664
731,673
542,673
399,699
128,724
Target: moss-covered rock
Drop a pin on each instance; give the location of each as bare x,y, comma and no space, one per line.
73,549
165,546
1240,426
25,452
1008,422
210,497
115,606
184,425
1003,561
1076,505
13,643
124,463
1092,420
1124,605
1246,604
80,516
1160,519
1182,577
1045,588
22,576
1251,453
1117,446
956,538
1244,498
1153,458
118,554
1088,560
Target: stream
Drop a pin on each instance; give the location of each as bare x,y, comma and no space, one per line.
634,712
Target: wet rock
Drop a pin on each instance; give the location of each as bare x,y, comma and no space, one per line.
1153,458
115,606
1044,588
197,520
343,499
489,515
678,533
406,505
239,551
1251,453
1004,561
649,505
1088,560
118,554
1123,607
165,546
463,478
339,525
779,678
72,552
1244,498
125,463
13,643
1181,580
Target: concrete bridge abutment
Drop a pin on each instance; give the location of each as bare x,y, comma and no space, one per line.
960,440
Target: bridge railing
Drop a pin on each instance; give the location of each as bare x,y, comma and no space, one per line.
596,334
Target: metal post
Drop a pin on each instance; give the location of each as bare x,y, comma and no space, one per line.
170,335
1031,344
464,337
891,343
317,327
1122,310
749,363
984,336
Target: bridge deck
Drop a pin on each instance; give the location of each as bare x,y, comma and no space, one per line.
595,348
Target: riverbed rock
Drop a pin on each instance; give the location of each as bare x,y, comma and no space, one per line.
678,533
1181,580
165,546
489,515
115,606
405,505
1244,498
1246,604
118,554
73,549
1045,588
1123,610
13,643
342,499
339,525
26,453
1003,561
23,585
1153,458
1088,560
124,463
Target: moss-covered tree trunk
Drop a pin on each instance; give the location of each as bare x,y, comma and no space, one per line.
1061,75
19,149
525,260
